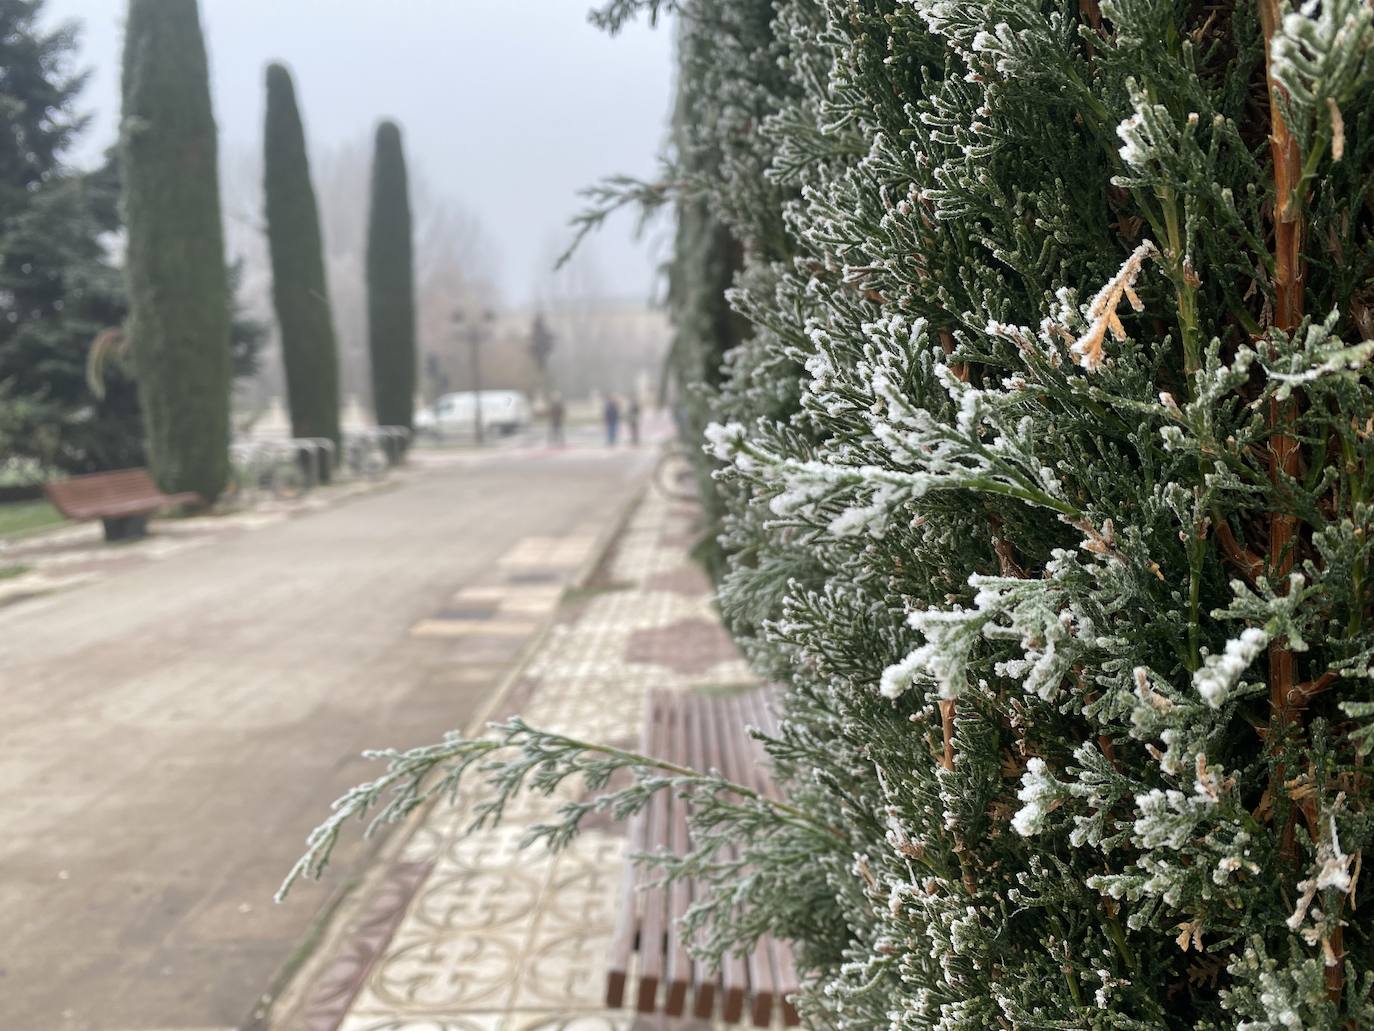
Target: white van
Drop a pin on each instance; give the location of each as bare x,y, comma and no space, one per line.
454,415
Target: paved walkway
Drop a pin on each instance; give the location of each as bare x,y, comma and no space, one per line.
75,554
472,934
173,730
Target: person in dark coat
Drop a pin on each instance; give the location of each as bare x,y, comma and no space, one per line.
556,415
612,416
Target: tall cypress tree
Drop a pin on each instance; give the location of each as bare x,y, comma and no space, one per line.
391,283
299,290
178,292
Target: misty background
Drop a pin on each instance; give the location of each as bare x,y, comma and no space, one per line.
508,109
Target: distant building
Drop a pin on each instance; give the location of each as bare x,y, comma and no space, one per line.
599,347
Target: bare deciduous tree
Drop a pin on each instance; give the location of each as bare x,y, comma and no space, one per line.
455,260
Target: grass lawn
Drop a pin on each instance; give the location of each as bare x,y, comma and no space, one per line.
21,517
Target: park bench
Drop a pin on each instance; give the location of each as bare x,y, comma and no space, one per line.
122,500
704,733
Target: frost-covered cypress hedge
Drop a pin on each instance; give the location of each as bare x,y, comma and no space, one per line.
1047,463
1063,551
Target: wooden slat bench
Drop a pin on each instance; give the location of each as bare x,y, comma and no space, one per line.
123,500
704,733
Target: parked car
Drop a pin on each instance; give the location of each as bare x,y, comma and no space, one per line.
453,415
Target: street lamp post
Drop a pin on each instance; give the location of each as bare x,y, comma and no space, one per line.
473,332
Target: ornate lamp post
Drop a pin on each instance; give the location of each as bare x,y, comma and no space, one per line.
473,332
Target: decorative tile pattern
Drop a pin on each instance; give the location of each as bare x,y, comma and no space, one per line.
688,646
513,607
686,580
503,939
334,991
569,551
469,626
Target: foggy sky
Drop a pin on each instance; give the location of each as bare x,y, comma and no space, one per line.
508,106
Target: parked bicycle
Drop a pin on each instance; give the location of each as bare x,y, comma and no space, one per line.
364,455
265,466
675,474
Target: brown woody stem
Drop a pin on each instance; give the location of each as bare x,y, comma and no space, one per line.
1249,564
1288,311
1286,698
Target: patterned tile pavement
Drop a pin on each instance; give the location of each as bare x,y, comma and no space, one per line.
471,933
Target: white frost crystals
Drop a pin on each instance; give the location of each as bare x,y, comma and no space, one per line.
1036,614
723,440
1041,793
1220,674
899,678
1322,55
943,659
1144,131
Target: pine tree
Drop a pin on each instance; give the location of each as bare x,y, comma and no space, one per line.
179,308
1048,467
58,288
40,90
299,290
391,283
37,121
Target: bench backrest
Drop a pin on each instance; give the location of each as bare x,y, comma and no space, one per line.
96,489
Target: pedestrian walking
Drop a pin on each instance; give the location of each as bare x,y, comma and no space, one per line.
556,415
612,417
632,419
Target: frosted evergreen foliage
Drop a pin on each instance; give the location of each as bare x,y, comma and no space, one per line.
1045,464
1013,548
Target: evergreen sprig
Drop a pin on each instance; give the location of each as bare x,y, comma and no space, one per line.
731,824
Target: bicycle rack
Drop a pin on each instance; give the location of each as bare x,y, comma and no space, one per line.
320,452
394,441
247,459
257,462
285,454
356,447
